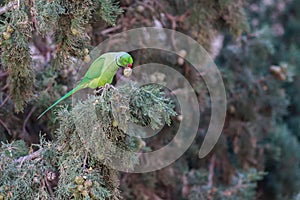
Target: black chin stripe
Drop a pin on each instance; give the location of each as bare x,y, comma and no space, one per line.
117,62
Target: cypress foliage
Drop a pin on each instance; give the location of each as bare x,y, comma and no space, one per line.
15,57
95,132
257,154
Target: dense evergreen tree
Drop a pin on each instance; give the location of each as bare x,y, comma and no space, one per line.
255,45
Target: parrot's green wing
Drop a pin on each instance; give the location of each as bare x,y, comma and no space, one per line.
101,71
95,69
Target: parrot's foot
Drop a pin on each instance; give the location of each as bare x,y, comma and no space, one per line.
108,86
98,91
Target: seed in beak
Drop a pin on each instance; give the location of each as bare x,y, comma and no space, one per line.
127,72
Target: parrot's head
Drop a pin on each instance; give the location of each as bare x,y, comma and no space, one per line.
124,60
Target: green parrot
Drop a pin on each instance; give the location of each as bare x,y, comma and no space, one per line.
101,72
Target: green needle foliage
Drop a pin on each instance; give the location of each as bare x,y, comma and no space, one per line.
47,15
40,40
109,11
15,57
90,137
65,20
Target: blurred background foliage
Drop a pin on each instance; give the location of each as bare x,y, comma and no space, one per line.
255,44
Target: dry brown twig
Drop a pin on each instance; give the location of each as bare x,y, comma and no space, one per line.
5,126
211,171
112,29
2,74
174,20
48,178
26,120
5,100
31,156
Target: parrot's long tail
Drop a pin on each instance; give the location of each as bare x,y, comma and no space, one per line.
78,87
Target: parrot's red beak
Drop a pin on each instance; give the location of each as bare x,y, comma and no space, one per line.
129,65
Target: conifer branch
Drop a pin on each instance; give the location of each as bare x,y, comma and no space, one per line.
112,29
5,126
31,156
7,7
26,120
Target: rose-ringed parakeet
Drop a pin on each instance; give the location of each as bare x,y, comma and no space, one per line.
101,72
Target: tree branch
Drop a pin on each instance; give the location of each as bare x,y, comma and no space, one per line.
6,127
211,171
25,122
31,156
109,30
7,7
